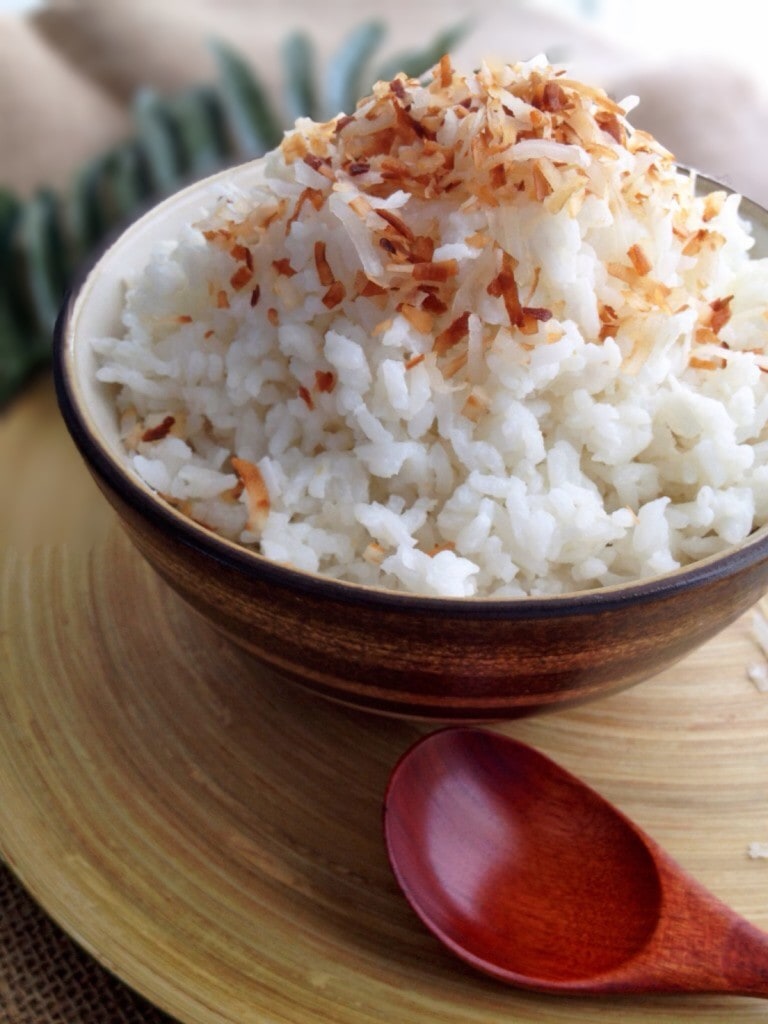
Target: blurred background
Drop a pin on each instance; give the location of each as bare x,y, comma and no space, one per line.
105,105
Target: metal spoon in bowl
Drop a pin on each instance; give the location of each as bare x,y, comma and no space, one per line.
529,875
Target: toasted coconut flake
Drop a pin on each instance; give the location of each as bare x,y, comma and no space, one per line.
621,271
538,313
361,206
283,267
476,404
447,545
639,260
233,493
453,366
610,123
256,493
334,296
498,176
593,93
324,272
452,335
397,223
342,122
712,363
160,430
433,304
325,381
551,97
294,147
598,152
422,249
312,196
541,184
368,288
695,243
504,286
610,321
414,361
713,205
710,240
534,282
531,317
440,271
720,313
242,254
321,164
420,319
219,237
444,72
241,278
358,167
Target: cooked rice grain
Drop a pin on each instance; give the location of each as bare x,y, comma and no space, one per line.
480,337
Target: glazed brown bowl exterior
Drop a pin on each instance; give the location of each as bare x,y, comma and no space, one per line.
445,659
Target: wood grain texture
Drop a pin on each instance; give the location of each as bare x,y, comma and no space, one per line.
213,835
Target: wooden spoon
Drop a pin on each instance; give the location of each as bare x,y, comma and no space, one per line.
531,876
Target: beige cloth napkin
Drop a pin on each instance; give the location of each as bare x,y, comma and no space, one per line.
52,116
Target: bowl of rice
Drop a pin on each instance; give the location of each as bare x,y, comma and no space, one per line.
454,407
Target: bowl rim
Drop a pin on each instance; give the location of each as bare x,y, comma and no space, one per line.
249,563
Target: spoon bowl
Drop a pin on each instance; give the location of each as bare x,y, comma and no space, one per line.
531,876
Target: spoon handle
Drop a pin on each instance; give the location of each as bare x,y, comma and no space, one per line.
745,959
704,945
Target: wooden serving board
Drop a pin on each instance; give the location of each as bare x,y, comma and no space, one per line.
213,835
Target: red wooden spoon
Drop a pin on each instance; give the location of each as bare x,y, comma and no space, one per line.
531,876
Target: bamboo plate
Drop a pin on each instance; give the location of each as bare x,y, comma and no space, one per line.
213,836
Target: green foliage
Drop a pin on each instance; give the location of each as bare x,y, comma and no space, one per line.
47,241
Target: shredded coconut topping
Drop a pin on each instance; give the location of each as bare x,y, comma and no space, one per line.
480,336
494,142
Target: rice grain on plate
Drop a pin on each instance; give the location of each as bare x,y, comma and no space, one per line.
480,337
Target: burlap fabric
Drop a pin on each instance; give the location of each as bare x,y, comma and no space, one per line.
45,978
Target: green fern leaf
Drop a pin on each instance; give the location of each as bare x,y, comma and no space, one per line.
246,104
43,251
416,62
301,98
181,138
345,76
14,339
199,117
158,137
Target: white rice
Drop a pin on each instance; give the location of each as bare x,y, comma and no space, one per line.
595,413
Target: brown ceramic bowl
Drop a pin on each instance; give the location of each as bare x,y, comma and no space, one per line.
434,658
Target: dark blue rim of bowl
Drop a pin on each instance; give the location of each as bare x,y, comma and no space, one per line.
749,553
